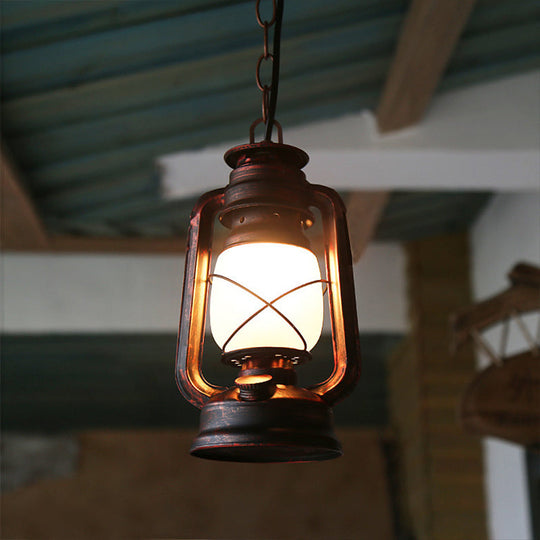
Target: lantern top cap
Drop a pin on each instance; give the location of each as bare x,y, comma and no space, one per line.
266,151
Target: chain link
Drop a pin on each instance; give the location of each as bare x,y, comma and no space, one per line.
260,85
258,13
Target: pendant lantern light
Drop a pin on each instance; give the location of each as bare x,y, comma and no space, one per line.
263,296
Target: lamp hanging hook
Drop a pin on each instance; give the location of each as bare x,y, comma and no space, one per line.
269,92
261,121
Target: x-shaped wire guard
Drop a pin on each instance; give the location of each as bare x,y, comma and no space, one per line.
267,305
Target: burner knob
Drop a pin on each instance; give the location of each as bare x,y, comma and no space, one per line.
255,387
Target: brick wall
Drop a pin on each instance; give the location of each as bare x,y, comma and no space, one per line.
442,494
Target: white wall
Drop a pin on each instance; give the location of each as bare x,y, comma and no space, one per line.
120,293
90,293
507,232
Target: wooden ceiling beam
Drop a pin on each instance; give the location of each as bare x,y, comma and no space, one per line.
120,245
21,227
364,211
428,37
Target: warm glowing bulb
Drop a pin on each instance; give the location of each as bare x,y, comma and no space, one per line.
269,270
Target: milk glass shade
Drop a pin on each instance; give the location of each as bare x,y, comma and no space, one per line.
266,295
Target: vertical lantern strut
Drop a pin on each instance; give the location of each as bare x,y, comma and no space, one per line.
266,312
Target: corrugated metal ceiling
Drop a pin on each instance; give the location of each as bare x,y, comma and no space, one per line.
94,91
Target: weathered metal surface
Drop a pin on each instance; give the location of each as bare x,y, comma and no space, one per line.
191,334
267,182
294,425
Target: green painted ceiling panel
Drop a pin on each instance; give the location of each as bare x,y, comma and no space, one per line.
94,91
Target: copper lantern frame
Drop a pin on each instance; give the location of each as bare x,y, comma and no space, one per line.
265,416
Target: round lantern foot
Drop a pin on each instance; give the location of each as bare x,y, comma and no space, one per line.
294,425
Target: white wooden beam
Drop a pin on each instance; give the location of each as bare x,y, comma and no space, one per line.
485,137
47,293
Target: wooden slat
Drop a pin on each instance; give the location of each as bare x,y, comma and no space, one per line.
364,210
483,49
346,45
133,47
16,15
429,35
128,157
179,120
70,199
158,42
21,227
35,23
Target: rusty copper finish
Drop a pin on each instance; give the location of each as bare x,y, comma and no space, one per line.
268,199
189,377
293,425
275,362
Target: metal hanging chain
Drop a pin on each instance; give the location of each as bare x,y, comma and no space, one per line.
269,92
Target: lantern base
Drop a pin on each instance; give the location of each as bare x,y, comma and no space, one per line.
279,429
